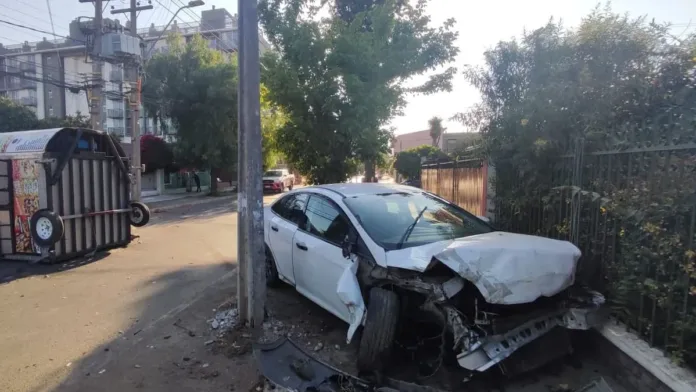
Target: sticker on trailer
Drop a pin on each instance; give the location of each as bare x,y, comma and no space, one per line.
25,184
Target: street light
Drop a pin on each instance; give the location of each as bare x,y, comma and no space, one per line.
191,4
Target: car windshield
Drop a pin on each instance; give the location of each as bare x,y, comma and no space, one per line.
273,173
386,217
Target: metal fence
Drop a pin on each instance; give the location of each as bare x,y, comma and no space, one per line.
464,182
632,212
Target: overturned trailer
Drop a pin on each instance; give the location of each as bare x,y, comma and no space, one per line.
64,192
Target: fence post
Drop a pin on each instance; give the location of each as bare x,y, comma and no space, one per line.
438,178
484,186
576,199
455,195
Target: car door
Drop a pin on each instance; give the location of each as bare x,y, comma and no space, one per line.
318,260
287,212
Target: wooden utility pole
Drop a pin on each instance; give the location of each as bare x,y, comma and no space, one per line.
251,287
134,101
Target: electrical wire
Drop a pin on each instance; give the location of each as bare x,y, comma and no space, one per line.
38,30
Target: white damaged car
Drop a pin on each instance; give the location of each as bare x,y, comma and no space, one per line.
373,254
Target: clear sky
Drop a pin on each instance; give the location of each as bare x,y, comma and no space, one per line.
481,24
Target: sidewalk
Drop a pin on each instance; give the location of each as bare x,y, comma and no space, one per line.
161,203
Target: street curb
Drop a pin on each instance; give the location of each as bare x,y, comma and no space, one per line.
204,200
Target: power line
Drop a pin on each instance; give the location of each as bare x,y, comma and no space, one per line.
26,14
39,30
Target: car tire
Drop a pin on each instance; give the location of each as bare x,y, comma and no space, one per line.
379,331
139,215
47,228
272,277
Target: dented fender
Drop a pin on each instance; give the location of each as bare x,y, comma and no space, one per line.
348,290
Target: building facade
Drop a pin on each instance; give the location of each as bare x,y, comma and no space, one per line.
448,142
50,76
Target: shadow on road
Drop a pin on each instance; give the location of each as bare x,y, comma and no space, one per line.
164,349
13,270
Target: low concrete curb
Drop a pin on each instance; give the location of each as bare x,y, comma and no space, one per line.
644,368
189,203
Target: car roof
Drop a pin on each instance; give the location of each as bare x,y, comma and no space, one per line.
367,188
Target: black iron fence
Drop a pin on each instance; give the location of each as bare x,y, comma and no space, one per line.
632,212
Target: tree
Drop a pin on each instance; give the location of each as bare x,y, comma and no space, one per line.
436,129
340,79
77,121
627,88
155,153
15,117
408,162
196,87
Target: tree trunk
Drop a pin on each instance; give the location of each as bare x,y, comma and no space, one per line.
214,174
369,171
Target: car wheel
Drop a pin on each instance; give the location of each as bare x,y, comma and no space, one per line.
139,215
379,330
272,278
47,227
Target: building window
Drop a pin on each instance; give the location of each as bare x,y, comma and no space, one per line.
49,75
50,93
48,58
50,110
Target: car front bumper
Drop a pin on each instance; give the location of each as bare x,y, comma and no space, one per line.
490,350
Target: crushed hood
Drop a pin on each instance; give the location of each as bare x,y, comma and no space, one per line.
506,268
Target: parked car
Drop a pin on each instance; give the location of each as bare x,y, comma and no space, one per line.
278,180
376,254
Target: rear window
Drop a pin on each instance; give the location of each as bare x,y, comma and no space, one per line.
386,217
273,173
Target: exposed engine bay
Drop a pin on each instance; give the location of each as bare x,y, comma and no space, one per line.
481,334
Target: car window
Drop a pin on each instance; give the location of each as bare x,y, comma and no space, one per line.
386,217
291,207
273,173
324,220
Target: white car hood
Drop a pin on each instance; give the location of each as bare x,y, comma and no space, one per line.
506,268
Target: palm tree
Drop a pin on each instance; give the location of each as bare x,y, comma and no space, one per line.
436,129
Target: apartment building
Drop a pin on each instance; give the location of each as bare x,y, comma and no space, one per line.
43,75
449,141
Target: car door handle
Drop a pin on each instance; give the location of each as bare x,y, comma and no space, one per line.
301,245
274,227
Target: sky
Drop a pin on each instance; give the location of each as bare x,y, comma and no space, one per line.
481,24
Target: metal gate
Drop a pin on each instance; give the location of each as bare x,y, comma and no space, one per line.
6,208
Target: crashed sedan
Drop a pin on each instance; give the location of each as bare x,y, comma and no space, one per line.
374,254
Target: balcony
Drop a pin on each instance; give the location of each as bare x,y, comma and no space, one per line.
28,101
114,113
28,67
24,83
114,95
116,76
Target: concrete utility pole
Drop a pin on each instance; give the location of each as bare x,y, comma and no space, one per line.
95,102
134,101
251,287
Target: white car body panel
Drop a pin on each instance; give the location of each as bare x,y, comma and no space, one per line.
281,244
507,268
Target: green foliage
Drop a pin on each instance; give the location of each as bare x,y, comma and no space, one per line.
408,162
15,117
340,79
196,87
608,91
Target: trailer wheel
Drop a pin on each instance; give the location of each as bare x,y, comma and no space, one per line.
139,215
47,227
379,331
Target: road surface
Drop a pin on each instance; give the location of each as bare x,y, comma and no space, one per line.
55,318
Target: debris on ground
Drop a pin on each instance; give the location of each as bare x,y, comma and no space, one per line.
224,320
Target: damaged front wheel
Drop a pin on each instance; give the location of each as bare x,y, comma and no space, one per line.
379,330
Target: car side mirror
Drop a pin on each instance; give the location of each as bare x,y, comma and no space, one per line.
484,218
348,245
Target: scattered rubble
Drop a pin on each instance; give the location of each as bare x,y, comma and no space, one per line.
224,320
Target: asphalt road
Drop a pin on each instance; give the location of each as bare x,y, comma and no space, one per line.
54,318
